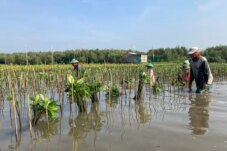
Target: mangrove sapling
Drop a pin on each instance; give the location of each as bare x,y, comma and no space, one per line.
142,80
43,106
157,87
94,87
113,91
80,92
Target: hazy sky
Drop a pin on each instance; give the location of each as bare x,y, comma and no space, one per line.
122,24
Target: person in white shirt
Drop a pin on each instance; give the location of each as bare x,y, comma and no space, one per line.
150,73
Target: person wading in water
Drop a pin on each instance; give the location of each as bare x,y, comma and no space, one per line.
200,71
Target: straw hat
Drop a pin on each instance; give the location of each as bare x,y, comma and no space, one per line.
74,61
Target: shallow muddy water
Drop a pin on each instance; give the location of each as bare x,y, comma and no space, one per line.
167,122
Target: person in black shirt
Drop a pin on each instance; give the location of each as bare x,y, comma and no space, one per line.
77,68
199,71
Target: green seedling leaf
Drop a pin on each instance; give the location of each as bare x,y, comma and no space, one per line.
71,79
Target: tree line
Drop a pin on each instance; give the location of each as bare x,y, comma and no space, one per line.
213,54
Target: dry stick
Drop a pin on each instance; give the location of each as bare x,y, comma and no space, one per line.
45,97
60,125
62,103
40,82
107,107
48,128
25,92
51,86
72,107
122,123
11,118
129,85
60,98
21,93
33,87
26,83
137,115
170,88
9,90
18,110
174,90
58,89
129,111
110,76
164,85
95,138
123,84
29,117
135,88
75,146
15,117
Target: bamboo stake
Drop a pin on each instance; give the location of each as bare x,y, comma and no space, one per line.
15,117
29,117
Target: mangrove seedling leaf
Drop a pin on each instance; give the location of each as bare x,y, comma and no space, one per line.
71,79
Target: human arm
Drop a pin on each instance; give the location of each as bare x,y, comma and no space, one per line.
191,79
205,72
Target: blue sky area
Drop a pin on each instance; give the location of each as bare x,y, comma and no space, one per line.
43,25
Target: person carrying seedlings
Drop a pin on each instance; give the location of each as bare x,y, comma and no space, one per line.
186,73
200,71
78,70
150,73
143,77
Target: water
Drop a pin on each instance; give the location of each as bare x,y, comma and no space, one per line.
166,122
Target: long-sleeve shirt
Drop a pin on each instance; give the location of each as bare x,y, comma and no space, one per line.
78,71
200,72
151,76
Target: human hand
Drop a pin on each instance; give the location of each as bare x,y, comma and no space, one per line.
204,86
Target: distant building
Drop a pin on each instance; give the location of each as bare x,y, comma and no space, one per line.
134,58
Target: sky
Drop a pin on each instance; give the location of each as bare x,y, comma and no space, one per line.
57,25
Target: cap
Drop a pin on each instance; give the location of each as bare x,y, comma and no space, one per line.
149,65
192,50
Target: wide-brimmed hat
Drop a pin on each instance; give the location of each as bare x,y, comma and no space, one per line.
193,50
186,62
186,66
149,65
74,61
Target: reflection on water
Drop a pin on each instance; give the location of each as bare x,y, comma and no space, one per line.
112,101
84,123
199,113
121,123
142,112
45,129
